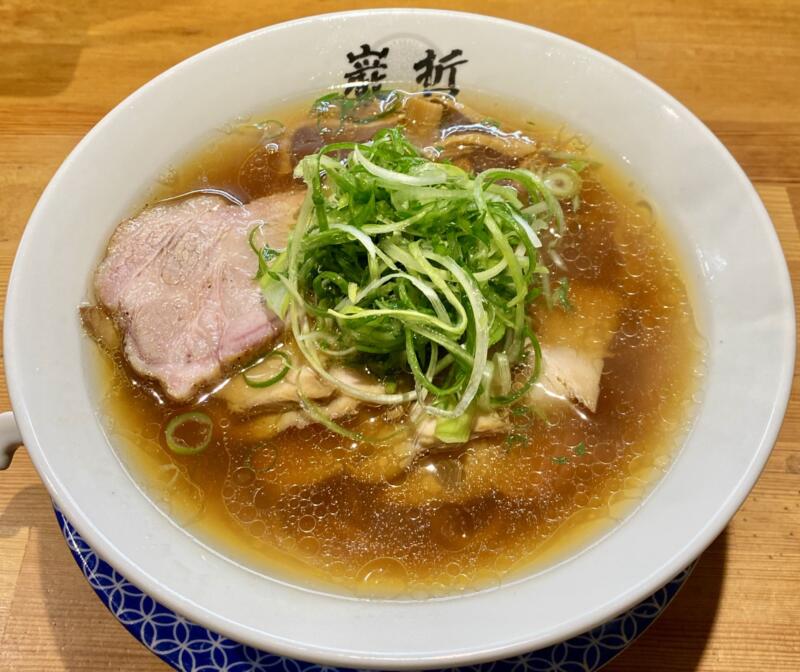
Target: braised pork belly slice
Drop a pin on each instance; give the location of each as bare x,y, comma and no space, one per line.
245,399
575,345
279,407
178,282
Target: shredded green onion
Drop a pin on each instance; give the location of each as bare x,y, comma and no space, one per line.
316,413
516,395
408,266
454,430
178,445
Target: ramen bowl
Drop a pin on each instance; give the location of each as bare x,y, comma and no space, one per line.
729,249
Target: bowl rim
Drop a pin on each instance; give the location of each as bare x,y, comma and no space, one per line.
290,648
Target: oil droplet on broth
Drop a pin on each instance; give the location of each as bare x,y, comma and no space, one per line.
244,476
383,576
264,458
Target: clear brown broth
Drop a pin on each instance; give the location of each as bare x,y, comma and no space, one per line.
296,505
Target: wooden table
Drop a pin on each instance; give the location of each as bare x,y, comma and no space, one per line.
65,63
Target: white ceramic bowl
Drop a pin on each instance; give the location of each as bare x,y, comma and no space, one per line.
732,255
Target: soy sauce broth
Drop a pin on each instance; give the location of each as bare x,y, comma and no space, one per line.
303,505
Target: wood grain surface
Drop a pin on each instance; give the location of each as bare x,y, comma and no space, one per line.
736,64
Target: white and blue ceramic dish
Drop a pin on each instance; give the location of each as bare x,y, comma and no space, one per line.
731,253
190,647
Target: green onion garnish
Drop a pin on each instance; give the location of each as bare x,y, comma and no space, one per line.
563,182
318,414
196,423
257,382
409,266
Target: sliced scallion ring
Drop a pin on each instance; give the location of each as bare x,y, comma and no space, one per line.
256,382
180,446
563,182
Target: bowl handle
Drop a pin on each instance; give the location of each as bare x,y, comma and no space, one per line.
10,439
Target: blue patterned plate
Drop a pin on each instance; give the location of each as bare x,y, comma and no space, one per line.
189,647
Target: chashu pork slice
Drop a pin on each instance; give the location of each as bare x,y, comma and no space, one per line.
285,410
178,280
242,398
575,345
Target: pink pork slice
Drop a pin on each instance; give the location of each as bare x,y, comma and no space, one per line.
178,280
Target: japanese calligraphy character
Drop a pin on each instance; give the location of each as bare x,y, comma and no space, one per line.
368,67
432,71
